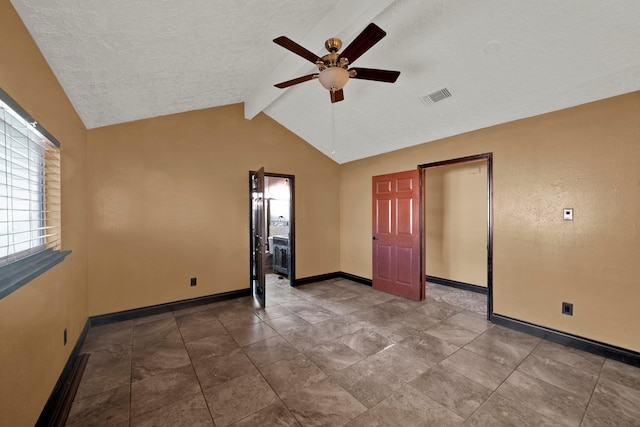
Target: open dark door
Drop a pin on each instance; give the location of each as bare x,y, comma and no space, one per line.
258,237
397,263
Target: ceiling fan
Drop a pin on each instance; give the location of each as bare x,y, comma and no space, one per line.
333,67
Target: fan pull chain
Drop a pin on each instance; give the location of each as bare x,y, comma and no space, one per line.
333,128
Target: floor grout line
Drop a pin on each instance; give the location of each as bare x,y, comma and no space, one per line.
361,315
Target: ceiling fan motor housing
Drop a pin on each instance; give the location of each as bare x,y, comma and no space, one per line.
333,44
332,60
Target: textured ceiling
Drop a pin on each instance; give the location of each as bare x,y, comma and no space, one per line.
120,60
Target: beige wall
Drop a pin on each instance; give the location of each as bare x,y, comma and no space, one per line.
168,200
585,158
32,319
456,222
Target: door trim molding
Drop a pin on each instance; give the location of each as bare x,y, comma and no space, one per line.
489,158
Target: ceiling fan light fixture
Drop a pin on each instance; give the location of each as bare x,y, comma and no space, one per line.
333,78
333,67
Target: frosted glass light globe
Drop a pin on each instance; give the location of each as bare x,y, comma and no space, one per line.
333,78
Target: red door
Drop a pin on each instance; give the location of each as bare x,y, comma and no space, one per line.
397,264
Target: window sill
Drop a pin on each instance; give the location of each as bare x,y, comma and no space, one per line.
19,273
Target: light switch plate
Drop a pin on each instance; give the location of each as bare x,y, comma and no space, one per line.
567,214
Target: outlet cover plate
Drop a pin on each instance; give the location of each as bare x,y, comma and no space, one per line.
567,214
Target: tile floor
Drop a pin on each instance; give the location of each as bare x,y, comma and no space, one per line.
339,353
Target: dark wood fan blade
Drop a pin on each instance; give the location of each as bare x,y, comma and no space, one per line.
365,40
336,96
294,47
296,81
377,75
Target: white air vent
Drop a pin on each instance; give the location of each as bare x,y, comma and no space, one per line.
437,96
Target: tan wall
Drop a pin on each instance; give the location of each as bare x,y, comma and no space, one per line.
32,319
456,222
585,158
169,200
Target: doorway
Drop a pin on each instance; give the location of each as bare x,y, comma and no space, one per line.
456,214
272,231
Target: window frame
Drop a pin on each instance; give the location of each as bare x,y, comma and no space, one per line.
17,273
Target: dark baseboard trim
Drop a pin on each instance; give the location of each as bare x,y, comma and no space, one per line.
609,351
355,278
330,276
57,408
104,319
314,279
460,285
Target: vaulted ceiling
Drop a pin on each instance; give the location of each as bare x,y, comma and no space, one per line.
501,60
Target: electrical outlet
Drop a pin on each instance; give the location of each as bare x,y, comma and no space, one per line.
64,336
194,281
567,214
567,308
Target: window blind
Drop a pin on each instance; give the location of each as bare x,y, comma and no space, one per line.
29,188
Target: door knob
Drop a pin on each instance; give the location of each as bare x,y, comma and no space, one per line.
375,238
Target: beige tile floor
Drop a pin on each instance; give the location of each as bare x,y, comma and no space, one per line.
339,353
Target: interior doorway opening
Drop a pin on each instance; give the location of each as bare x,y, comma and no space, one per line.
278,225
456,213
272,231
